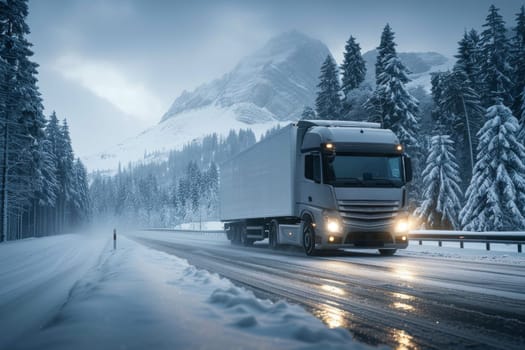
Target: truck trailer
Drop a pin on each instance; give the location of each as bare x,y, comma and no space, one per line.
321,185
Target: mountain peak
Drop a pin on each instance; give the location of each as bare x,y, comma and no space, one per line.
279,79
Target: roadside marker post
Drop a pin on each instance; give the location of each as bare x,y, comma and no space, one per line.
114,239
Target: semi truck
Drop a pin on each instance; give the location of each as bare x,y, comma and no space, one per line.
320,185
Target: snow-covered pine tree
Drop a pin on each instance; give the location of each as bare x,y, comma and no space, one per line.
80,200
468,57
386,48
65,176
353,68
521,133
518,61
308,113
495,198
328,102
399,107
210,197
46,186
441,197
355,102
460,101
496,71
396,109
443,120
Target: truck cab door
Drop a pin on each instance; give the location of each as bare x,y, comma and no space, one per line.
312,192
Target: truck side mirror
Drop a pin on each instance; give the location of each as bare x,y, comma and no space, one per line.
408,168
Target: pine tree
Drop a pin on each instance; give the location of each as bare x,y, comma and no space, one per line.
496,194
353,71
496,71
80,200
521,134
46,184
353,68
443,119
355,103
328,102
65,162
385,50
462,103
468,57
441,204
392,105
308,113
518,61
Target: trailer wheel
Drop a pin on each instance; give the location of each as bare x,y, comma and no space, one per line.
309,237
243,234
273,234
236,238
387,252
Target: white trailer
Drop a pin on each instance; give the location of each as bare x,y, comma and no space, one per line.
319,185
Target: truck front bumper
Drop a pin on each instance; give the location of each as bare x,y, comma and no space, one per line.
362,240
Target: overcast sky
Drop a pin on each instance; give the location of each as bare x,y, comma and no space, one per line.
113,67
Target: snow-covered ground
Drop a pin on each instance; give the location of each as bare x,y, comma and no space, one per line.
499,253
76,292
205,226
424,79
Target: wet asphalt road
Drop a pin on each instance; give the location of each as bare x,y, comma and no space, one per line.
403,302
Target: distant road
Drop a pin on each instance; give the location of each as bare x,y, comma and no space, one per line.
403,302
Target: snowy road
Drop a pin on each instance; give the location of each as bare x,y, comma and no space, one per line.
406,302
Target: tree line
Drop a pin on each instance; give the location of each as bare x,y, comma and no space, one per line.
184,188
43,188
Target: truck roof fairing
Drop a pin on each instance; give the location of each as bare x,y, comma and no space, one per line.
352,138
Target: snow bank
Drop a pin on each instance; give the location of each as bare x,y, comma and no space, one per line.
137,298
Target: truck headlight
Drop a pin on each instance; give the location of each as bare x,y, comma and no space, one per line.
333,225
332,222
402,225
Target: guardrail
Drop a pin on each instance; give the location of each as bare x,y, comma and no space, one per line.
517,238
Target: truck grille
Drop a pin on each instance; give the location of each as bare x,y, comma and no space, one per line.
368,215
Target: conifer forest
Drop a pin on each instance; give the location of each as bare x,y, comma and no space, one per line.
466,137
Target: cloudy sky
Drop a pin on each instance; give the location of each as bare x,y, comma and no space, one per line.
113,67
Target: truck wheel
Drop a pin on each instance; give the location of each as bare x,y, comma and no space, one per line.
387,252
236,239
273,235
309,238
245,241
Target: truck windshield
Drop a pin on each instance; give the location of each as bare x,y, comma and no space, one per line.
347,170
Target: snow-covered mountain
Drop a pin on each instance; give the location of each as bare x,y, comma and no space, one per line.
277,81
270,86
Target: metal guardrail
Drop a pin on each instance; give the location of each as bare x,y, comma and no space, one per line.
515,237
